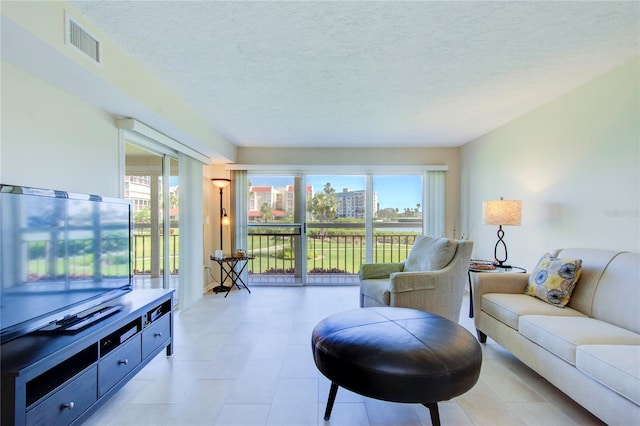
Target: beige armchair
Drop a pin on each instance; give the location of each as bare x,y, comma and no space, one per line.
432,278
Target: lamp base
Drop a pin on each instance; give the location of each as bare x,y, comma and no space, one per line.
220,289
499,263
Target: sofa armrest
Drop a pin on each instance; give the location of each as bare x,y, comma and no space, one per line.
498,283
484,283
379,270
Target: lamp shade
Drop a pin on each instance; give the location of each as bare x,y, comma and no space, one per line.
501,212
225,220
220,182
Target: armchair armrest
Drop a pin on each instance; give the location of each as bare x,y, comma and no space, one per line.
411,281
379,270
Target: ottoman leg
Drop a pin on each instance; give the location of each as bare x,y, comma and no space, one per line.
332,397
435,414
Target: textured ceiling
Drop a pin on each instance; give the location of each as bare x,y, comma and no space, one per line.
368,74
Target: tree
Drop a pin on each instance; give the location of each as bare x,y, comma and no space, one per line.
173,200
266,213
324,205
142,215
388,214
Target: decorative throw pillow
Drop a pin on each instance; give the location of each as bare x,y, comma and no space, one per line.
553,279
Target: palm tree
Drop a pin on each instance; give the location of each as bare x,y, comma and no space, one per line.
324,205
266,213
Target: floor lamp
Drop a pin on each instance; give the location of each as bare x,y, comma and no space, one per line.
221,183
501,212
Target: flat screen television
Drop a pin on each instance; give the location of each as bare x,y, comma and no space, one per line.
61,255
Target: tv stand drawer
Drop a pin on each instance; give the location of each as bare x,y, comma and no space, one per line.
63,406
155,335
115,366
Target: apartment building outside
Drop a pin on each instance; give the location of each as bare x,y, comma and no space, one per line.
351,203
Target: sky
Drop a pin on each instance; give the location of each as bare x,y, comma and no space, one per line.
399,191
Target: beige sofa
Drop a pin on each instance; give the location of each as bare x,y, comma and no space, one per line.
589,349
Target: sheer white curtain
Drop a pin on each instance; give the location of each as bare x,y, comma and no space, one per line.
434,200
190,173
240,205
191,276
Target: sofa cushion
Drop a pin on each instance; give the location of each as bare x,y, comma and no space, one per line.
377,289
553,279
508,307
615,366
561,335
430,254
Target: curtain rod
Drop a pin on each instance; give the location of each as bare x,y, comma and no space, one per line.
338,169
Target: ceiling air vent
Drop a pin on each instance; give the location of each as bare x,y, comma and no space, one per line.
80,39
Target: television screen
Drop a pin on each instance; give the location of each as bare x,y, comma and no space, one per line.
60,253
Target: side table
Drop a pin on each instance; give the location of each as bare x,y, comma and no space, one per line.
228,270
481,268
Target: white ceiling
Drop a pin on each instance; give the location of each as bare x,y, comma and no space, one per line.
368,74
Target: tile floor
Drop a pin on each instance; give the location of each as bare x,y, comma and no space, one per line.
246,360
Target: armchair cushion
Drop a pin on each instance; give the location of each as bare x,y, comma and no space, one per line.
430,254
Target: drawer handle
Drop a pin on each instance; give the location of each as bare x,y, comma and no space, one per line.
124,361
158,334
68,406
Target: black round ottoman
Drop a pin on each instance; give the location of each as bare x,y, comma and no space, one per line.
396,354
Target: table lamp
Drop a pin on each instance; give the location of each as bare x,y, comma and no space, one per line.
502,213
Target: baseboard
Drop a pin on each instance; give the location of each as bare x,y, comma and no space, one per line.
207,288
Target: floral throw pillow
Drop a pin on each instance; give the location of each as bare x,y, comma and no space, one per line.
553,279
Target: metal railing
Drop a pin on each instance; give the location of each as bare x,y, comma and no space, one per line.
142,254
274,253
331,254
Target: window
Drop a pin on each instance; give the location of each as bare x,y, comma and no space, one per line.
319,228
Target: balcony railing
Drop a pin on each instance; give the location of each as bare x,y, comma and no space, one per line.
339,254
142,254
274,254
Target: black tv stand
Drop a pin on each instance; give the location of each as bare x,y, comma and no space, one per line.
61,378
78,322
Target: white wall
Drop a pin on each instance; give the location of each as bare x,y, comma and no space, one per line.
51,139
33,40
574,163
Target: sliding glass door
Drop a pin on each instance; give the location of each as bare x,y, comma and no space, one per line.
336,228
319,228
275,221
151,183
